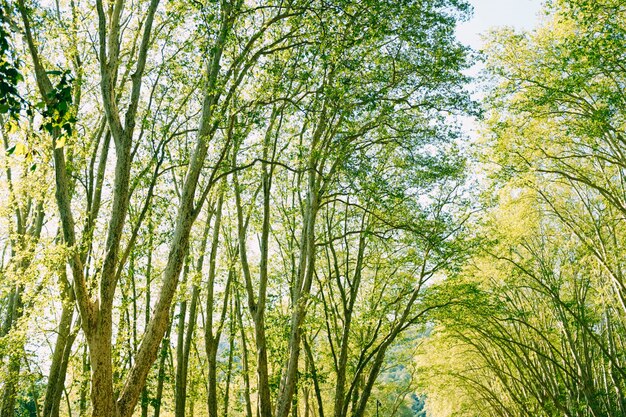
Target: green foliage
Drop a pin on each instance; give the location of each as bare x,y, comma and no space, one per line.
542,334
328,131
58,113
11,102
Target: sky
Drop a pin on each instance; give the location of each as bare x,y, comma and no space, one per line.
488,14
521,14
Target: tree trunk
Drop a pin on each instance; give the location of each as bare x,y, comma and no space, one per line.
185,340
60,356
302,287
211,339
316,382
145,394
16,309
84,383
180,386
300,298
10,389
100,351
165,345
244,355
231,351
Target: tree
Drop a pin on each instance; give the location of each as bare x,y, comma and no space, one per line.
208,162
545,339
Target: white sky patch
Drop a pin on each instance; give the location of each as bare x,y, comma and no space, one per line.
488,14
492,14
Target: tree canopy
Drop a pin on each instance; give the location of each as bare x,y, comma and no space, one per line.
271,209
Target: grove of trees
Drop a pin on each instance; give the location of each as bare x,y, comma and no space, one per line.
225,208
545,331
269,208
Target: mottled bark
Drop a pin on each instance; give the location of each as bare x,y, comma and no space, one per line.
244,355
165,347
185,335
212,336
61,353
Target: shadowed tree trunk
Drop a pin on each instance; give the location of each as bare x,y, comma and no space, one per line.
185,340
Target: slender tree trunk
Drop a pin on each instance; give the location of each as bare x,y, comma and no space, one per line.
61,353
341,405
244,356
84,383
359,411
185,340
16,308
316,382
302,287
340,388
307,406
56,401
257,307
10,389
211,338
300,298
145,394
231,351
165,345
63,333
180,387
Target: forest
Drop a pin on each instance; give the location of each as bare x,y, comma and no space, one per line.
273,208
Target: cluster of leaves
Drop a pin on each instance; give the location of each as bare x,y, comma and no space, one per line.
11,102
58,113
